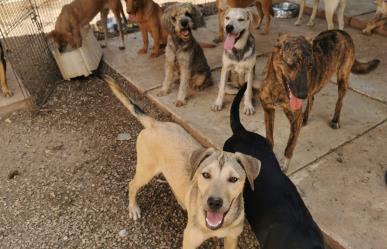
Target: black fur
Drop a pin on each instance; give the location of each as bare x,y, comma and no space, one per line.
275,210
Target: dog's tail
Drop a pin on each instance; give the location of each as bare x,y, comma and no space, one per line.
364,68
236,125
136,111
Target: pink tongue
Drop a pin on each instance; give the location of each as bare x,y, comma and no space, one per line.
229,42
295,103
130,17
214,219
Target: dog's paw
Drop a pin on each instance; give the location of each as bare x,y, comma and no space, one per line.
162,93
248,109
121,47
310,24
7,93
103,45
265,32
142,51
180,103
284,164
297,23
154,55
367,31
217,106
134,212
335,125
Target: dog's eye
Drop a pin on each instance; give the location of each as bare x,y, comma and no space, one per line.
241,20
206,175
227,18
233,179
173,18
187,14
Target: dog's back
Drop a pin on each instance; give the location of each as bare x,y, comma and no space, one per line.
275,210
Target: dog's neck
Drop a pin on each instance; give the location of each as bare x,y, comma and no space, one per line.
243,49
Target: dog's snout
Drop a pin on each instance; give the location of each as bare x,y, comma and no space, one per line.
184,23
229,28
214,203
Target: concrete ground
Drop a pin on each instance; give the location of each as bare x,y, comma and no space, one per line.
339,172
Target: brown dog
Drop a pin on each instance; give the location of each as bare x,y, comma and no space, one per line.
3,74
380,18
147,14
263,7
298,69
79,13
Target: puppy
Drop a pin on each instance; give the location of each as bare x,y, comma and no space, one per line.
183,53
239,54
274,210
380,18
147,14
330,8
263,7
206,182
3,74
298,69
79,13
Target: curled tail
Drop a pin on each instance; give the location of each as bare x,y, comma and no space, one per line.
136,111
364,68
236,125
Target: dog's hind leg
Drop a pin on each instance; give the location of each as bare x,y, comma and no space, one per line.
343,84
104,13
295,119
117,16
260,13
308,109
340,13
314,12
266,8
329,12
300,13
3,80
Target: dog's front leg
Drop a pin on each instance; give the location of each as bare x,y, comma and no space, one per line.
249,108
104,13
300,13
3,80
295,119
314,12
144,33
269,123
169,66
117,15
230,242
156,44
218,104
193,237
185,76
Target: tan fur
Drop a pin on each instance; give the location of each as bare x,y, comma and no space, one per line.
380,18
165,147
147,14
3,74
263,8
78,14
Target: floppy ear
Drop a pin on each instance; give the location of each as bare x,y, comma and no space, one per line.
254,20
197,17
197,157
166,21
251,166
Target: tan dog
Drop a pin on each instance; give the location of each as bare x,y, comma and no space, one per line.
78,14
3,74
263,7
298,69
147,14
206,182
380,18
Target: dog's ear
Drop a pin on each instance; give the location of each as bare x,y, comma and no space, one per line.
254,20
197,157
197,17
251,166
166,19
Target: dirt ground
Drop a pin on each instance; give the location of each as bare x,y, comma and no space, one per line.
64,175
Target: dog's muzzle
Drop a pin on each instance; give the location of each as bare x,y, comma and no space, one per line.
229,28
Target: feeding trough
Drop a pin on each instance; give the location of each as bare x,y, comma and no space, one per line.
286,10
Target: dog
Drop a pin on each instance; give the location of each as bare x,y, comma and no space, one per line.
298,69
263,7
3,74
183,54
239,54
206,182
274,209
330,7
78,14
380,18
147,14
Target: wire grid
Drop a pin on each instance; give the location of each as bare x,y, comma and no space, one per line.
26,48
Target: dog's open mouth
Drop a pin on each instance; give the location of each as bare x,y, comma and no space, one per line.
294,102
214,220
185,33
231,39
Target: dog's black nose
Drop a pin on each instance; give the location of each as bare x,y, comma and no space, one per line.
215,203
229,28
184,23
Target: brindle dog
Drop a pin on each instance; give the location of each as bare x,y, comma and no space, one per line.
3,74
298,69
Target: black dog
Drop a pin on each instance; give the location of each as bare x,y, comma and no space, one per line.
275,210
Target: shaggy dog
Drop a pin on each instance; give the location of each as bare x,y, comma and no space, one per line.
298,69
183,54
79,13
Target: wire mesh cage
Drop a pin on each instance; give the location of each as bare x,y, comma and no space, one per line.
26,47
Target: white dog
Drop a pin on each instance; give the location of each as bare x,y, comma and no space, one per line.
239,54
330,8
